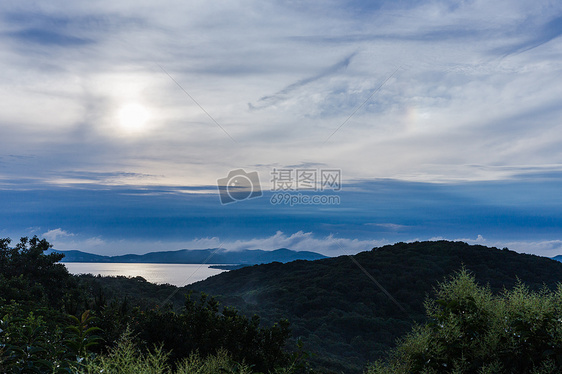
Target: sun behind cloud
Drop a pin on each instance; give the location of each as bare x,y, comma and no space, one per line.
133,118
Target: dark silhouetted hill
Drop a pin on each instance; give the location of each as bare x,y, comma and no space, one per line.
344,317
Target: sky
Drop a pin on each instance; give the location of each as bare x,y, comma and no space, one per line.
137,126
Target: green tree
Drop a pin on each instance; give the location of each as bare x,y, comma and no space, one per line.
28,275
203,326
471,330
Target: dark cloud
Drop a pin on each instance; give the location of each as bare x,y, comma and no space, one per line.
308,165
283,95
539,36
101,176
440,113
49,30
58,30
48,38
437,33
354,8
540,175
516,209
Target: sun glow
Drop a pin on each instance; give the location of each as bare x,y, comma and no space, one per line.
133,117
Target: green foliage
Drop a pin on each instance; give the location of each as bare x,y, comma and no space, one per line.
81,335
36,291
31,277
37,335
219,363
471,330
25,343
335,311
205,327
127,358
30,344
343,317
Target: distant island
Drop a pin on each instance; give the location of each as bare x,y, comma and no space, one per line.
221,258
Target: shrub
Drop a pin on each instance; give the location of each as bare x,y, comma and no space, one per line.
470,330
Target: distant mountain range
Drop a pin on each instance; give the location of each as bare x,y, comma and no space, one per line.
198,256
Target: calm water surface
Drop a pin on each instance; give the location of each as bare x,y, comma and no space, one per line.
176,274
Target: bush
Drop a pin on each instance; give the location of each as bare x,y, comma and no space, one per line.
127,358
470,330
205,327
28,344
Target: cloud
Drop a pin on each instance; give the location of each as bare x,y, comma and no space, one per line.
389,226
53,235
64,240
479,240
282,95
48,37
300,241
548,248
454,117
330,245
306,241
540,35
452,104
545,248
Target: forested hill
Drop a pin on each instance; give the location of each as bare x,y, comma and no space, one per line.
344,317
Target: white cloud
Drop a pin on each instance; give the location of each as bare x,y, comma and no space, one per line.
546,248
469,101
479,240
53,235
389,226
64,240
453,104
298,241
306,241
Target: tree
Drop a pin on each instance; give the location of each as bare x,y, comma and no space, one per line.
471,330
27,275
203,326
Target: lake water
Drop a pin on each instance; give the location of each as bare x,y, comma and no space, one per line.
176,274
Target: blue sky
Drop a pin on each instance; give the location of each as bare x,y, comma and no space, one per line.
118,117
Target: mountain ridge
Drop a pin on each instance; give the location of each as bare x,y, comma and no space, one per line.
197,256
343,317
